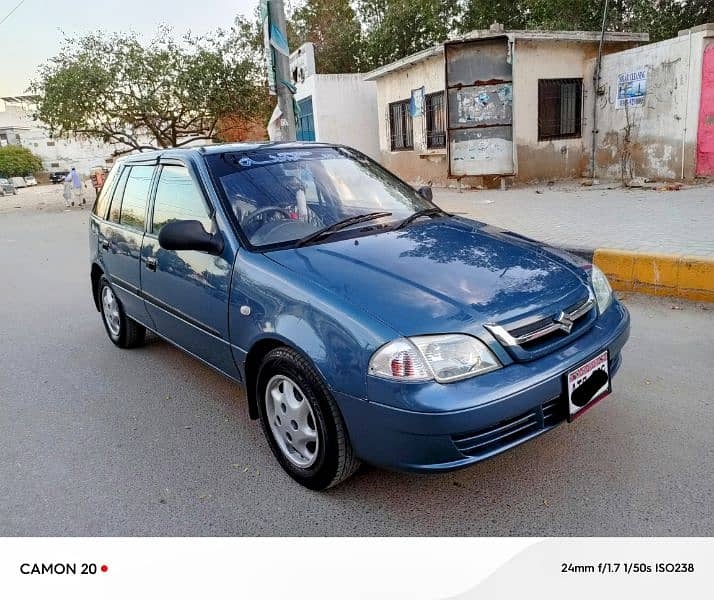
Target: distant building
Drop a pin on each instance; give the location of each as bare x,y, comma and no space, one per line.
58,154
337,108
491,104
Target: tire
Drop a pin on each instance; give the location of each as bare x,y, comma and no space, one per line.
122,330
331,459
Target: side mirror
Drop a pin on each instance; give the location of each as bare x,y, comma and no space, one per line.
426,193
189,235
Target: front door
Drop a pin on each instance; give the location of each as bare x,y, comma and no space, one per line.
186,292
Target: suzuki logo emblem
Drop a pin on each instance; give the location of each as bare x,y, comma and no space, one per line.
566,323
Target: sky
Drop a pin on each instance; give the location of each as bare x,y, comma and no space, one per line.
33,33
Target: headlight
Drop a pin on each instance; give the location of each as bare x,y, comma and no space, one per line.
444,358
602,289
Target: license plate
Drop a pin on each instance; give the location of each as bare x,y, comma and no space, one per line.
588,383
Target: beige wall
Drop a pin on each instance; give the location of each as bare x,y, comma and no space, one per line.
534,60
662,131
418,166
534,159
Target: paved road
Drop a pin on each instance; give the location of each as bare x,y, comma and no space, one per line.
573,216
99,441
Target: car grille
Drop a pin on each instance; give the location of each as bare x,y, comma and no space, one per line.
513,431
536,336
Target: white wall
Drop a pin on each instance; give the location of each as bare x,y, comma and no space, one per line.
345,109
663,131
56,154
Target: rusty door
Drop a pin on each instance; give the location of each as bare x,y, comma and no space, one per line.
479,88
705,132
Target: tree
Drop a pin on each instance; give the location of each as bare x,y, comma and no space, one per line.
332,26
663,19
16,161
660,18
166,93
480,14
397,28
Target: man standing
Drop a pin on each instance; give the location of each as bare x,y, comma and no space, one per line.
77,190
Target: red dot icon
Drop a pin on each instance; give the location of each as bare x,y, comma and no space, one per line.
104,568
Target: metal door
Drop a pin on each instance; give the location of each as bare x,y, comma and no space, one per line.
479,88
705,132
305,121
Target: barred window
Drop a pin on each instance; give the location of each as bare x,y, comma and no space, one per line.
435,120
400,126
559,108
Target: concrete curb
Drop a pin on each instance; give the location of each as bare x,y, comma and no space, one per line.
690,277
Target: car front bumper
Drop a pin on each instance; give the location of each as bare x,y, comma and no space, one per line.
440,427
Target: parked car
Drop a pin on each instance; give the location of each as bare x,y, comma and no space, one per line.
6,188
30,180
58,176
18,182
365,323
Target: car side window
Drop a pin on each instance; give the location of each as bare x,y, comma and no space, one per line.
178,198
136,197
102,203
115,210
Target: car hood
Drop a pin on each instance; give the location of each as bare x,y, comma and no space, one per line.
442,275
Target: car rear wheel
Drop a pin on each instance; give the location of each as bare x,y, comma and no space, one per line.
302,422
122,331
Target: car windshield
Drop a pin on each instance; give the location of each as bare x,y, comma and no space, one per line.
280,196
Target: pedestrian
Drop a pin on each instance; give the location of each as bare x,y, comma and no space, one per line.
77,189
67,192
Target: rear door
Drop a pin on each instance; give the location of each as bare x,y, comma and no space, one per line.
187,292
121,234
479,89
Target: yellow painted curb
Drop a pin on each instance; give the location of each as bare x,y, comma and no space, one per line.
690,277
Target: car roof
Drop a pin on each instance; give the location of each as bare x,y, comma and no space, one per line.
219,149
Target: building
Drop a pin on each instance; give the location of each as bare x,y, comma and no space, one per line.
335,108
655,109
57,154
491,104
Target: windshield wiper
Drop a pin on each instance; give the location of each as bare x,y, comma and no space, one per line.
427,212
339,225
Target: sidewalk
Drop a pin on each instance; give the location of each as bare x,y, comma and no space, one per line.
572,216
645,240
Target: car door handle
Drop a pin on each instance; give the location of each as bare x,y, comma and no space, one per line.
105,244
151,263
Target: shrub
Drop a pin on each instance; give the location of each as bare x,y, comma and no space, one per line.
16,161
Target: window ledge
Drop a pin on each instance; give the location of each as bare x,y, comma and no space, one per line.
433,152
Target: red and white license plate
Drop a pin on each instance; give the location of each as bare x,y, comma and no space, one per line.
588,383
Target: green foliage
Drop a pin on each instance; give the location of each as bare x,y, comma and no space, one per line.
397,28
660,18
16,161
332,26
393,29
171,91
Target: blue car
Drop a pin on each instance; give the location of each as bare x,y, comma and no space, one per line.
365,323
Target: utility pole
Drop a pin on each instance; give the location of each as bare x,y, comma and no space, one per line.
281,62
596,87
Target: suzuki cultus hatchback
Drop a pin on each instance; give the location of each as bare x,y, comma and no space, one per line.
365,323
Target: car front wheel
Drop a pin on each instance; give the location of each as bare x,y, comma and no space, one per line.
122,331
302,422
